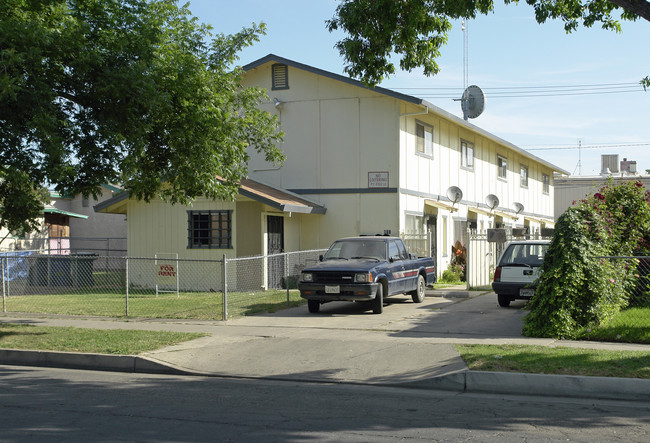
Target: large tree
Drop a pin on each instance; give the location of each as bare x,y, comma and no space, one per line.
415,30
135,92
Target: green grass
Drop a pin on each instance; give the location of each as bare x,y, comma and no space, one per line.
448,285
629,326
101,341
145,304
567,361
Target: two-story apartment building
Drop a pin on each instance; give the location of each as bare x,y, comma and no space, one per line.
381,161
359,161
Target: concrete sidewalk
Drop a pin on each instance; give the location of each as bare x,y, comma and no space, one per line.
408,345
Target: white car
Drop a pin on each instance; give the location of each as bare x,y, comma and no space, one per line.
518,269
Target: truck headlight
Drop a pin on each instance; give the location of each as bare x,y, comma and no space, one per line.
307,276
366,277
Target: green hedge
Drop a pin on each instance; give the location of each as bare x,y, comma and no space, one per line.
578,288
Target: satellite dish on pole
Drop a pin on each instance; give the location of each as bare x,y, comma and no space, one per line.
454,194
518,207
472,102
492,201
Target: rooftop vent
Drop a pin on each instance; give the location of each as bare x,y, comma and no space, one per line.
609,162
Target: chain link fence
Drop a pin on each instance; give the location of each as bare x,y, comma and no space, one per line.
143,287
638,289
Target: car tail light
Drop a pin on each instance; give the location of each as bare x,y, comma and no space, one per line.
497,274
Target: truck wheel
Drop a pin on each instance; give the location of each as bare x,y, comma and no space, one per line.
313,306
378,302
504,300
418,294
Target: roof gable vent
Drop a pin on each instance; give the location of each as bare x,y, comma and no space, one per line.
280,76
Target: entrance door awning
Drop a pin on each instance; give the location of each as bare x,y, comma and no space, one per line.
277,198
440,205
480,211
506,215
547,222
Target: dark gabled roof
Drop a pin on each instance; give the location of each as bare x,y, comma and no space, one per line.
277,198
404,97
341,78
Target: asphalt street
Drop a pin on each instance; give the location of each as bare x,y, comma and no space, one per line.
51,405
408,345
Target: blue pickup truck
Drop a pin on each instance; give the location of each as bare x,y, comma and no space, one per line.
366,269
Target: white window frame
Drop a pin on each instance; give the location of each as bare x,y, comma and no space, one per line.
546,184
467,155
424,144
523,175
502,167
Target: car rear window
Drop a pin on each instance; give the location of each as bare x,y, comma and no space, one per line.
527,254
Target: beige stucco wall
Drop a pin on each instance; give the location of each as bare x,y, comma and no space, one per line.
158,227
336,134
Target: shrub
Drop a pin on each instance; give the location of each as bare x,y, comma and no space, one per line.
459,260
453,274
576,288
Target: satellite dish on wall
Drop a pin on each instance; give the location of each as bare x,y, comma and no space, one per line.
472,102
518,207
454,194
492,201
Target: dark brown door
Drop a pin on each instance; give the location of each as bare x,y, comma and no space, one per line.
275,230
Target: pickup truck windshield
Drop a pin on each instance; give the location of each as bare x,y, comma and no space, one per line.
356,249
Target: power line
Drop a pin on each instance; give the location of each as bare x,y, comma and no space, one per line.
594,146
534,91
593,85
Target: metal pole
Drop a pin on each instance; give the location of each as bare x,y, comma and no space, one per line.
286,274
127,286
4,294
225,289
468,268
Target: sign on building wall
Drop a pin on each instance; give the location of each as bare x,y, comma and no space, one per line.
378,179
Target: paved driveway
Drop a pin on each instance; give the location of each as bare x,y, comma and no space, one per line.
409,342
476,317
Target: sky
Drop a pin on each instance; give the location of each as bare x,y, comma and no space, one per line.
566,98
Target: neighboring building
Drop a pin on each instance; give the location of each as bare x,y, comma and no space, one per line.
575,188
359,161
104,234
53,234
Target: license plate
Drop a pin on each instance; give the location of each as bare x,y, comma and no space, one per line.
332,289
526,292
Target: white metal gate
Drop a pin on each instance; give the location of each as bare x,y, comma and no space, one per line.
482,258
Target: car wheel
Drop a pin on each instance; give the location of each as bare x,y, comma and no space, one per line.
313,306
378,302
504,300
418,294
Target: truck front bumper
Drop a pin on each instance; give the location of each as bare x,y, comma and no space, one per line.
346,292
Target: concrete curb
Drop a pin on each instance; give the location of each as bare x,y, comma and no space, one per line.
95,362
515,383
507,383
